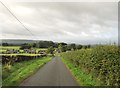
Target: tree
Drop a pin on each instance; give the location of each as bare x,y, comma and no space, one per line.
62,44
62,48
88,46
50,50
5,44
25,46
34,45
79,47
46,44
73,46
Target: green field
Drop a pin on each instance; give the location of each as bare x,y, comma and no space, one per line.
1,50
10,47
15,74
4,48
22,54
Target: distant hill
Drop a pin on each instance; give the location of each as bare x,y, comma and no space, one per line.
17,41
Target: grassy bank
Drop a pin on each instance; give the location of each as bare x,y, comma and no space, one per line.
13,75
82,78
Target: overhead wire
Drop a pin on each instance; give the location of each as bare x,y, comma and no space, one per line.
17,18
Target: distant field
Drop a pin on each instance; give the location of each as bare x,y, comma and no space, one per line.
38,49
9,47
1,50
4,48
18,47
22,54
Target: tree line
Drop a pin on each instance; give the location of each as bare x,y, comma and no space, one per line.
52,46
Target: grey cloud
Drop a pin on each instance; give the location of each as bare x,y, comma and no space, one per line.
82,22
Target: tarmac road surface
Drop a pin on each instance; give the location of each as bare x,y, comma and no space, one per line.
54,73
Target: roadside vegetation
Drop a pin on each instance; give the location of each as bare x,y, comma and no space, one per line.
92,65
95,66
21,61
14,74
80,75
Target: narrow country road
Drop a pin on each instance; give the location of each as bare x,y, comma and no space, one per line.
54,73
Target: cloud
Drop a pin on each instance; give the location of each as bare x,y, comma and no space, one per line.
81,22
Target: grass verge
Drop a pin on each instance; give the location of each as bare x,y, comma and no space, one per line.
19,71
82,78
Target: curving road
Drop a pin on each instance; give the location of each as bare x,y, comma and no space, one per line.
54,73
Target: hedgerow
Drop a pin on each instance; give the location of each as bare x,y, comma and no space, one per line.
103,62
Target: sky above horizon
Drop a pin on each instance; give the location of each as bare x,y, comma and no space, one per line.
71,22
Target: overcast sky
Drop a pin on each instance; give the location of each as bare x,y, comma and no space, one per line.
80,22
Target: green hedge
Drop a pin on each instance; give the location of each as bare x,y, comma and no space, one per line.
103,62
